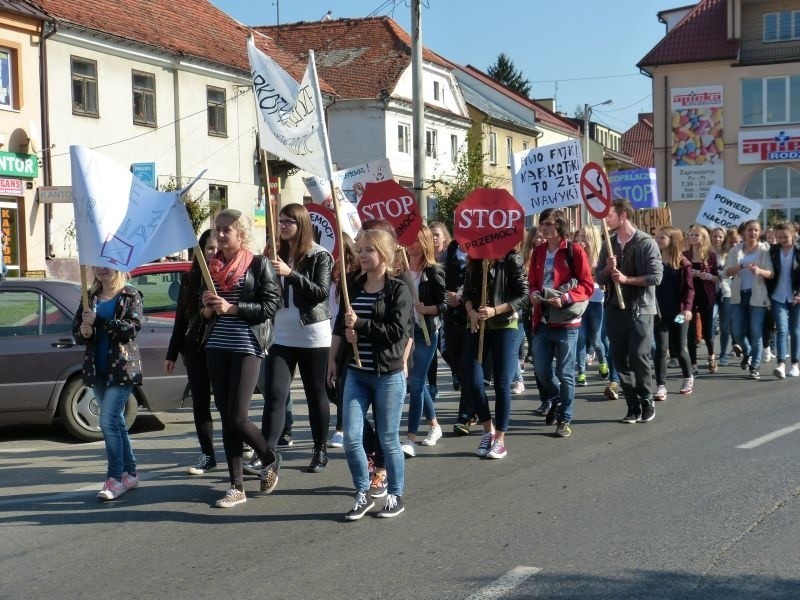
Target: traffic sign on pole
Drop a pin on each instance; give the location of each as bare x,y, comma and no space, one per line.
596,190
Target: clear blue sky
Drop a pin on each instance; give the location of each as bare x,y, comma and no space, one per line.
578,51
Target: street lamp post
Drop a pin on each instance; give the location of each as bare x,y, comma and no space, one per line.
587,113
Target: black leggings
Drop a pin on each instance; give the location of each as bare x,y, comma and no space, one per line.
234,377
671,335
706,311
313,363
200,385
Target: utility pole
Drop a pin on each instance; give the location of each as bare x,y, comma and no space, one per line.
418,107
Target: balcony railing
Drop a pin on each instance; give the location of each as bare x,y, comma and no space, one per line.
758,52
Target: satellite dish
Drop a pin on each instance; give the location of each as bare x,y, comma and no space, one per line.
35,137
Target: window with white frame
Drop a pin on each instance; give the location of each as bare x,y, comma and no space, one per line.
525,144
493,148
509,150
437,91
430,143
404,138
453,148
781,26
9,72
84,86
144,98
770,100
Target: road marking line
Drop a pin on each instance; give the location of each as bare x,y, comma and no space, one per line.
500,587
769,437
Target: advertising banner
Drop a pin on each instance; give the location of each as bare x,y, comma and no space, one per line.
769,146
697,144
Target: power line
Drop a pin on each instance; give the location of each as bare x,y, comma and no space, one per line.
556,81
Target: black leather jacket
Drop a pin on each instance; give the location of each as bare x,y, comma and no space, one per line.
388,328
431,292
260,299
454,273
507,283
311,280
775,257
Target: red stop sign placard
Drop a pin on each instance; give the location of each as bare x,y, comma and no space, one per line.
392,202
323,225
489,223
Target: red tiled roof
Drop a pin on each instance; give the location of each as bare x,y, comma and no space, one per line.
543,114
192,28
637,142
361,58
702,35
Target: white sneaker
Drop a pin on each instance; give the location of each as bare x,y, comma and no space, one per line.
434,435
408,449
780,371
767,355
112,489
794,371
518,388
661,393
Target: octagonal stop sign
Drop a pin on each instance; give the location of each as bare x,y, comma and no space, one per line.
392,202
489,223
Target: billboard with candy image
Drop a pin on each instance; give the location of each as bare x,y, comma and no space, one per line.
697,144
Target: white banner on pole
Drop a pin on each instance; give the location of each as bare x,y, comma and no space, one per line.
121,222
548,176
724,208
288,119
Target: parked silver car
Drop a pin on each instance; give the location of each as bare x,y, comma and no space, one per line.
40,362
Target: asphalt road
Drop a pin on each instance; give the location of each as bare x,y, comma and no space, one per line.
669,509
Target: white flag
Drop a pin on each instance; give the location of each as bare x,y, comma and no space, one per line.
121,222
289,121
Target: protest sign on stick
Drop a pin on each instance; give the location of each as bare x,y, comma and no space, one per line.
724,208
596,193
637,185
547,176
392,202
488,224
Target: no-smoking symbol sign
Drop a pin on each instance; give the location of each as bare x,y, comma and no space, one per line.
596,190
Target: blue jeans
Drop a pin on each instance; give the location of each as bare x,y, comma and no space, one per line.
112,400
748,325
518,344
725,325
589,335
420,397
386,395
613,376
550,343
500,351
787,323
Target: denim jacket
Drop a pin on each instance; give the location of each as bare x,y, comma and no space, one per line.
124,360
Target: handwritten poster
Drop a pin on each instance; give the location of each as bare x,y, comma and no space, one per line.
548,176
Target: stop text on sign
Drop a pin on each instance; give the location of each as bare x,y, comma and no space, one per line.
480,218
391,208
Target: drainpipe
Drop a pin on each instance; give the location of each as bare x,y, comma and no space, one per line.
176,95
46,150
667,141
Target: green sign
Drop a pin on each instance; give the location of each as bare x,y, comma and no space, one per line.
19,165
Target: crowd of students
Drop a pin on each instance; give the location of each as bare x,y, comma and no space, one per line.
561,300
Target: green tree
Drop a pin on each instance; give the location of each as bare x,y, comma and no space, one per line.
504,71
449,191
200,208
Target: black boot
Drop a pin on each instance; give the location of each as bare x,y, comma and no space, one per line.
320,459
648,411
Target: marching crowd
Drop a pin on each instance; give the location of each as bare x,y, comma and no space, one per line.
560,300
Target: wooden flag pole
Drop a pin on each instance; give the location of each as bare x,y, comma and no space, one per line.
484,285
610,251
415,297
268,202
84,288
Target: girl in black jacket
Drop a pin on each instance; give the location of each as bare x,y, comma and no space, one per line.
302,330
185,339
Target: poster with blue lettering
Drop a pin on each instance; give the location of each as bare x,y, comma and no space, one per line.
636,185
724,208
548,176
120,222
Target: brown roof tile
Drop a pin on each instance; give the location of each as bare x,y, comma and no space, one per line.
637,142
361,58
700,36
192,28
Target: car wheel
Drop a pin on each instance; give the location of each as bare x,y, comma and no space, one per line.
80,411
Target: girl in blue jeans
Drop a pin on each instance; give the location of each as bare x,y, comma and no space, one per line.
378,324
111,367
428,278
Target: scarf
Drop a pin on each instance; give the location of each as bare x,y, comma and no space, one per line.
227,275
